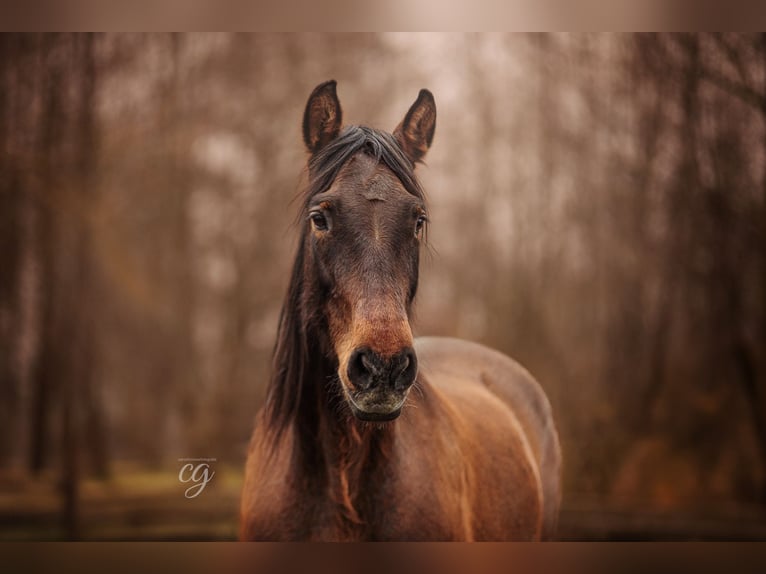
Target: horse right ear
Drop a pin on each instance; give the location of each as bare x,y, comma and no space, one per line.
416,132
322,118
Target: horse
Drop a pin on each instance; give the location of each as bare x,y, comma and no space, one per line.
367,433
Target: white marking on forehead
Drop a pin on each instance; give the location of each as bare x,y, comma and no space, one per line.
375,217
373,195
376,189
379,186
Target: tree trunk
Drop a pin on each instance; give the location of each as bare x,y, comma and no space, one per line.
10,258
687,184
93,409
46,360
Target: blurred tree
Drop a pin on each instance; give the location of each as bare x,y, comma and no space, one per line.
50,170
11,241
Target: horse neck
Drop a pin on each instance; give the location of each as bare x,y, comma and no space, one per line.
327,429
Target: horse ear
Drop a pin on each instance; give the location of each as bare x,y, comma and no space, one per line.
416,132
322,118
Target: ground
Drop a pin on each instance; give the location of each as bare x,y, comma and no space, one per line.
137,504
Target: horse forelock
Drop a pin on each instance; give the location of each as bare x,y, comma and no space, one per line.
325,166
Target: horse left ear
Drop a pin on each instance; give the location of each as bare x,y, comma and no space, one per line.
322,118
416,132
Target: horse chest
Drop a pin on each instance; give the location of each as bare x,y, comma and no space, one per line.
389,503
377,518
392,502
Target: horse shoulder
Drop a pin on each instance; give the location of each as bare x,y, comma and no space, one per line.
470,373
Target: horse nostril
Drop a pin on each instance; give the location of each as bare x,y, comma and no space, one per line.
405,369
362,368
366,362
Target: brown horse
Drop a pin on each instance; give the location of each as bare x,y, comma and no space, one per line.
367,434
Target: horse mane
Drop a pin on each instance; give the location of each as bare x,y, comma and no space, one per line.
289,385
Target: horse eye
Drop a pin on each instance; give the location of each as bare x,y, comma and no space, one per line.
419,224
318,220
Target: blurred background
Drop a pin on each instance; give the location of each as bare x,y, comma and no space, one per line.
598,209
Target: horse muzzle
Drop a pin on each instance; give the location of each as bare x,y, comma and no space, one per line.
380,384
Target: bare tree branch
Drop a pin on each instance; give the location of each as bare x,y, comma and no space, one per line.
734,57
743,92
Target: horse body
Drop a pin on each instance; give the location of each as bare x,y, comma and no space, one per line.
367,433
